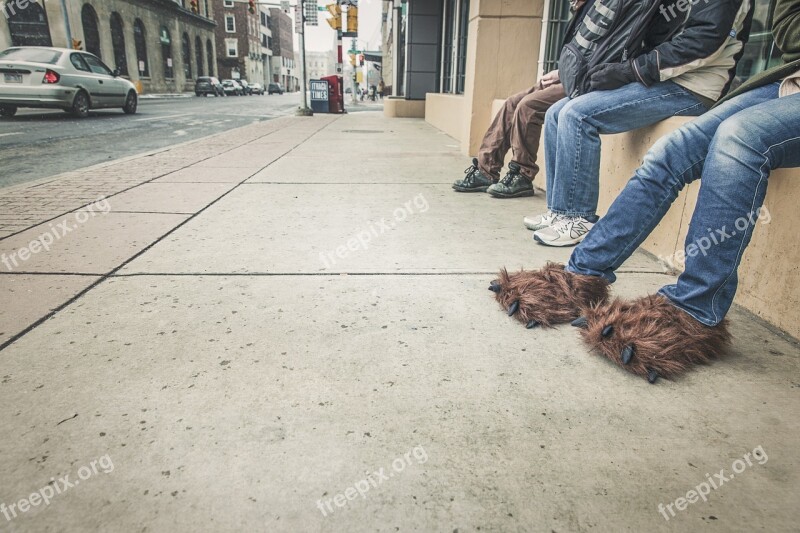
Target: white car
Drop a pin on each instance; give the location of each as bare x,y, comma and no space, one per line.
61,78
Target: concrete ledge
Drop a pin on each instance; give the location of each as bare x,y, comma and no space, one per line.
398,107
446,112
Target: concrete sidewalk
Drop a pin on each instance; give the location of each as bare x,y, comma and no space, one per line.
288,329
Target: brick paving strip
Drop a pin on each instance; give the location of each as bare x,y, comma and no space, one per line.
149,196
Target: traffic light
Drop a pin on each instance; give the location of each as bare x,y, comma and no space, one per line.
193,5
361,59
336,12
352,60
252,7
352,19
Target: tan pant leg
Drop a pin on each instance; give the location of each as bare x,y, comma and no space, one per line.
497,140
526,129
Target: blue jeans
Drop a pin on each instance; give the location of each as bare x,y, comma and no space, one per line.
572,137
732,149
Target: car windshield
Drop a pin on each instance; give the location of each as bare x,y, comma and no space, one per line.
34,55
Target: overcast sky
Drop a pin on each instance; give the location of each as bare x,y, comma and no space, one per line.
321,38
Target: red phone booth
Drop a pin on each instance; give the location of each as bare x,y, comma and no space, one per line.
336,94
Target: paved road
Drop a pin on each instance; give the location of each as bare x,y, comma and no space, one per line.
40,143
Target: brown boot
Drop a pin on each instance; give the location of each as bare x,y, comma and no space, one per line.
651,337
549,296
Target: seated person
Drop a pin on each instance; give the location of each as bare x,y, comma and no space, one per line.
732,149
683,75
518,126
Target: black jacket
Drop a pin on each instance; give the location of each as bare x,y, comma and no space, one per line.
660,46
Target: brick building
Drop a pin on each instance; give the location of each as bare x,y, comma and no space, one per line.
284,67
161,45
238,37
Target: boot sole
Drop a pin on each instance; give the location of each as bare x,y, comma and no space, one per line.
522,194
477,189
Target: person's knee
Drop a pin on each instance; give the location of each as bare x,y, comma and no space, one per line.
736,134
534,102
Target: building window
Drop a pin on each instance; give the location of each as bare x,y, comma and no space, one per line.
760,52
210,53
198,55
232,47
28,26
166,53
91,34
228,3
454,45
230,24
186,56
141,48
555,24
118,43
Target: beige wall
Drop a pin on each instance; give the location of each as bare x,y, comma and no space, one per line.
498,30
446,112
398,107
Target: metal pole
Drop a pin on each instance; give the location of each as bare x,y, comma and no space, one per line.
304,110
66,22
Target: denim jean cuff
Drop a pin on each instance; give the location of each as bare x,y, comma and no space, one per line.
586,214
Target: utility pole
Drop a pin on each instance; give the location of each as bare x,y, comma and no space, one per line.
304,110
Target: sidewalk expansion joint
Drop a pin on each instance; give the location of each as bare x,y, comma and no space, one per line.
293,274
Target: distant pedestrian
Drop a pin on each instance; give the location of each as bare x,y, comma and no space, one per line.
381,89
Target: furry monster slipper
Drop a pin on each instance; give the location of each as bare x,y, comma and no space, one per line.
548,296
652,338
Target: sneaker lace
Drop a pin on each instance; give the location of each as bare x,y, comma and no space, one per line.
563,224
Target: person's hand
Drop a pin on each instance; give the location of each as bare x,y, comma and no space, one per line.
610,76
549,79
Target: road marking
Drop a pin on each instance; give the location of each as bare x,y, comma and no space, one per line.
163,118
7,134
180,133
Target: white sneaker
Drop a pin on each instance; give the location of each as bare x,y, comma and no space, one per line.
540,222
565,231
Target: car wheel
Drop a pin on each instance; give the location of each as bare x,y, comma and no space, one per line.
8,110
80,105
131,103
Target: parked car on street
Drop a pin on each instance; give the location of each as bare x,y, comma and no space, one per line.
206,85
60,78
232,87
257,88
246,86
275,88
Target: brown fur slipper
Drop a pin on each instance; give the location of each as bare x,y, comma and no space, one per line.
651,337
548,296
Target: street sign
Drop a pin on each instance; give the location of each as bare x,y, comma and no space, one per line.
285,6
298,19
